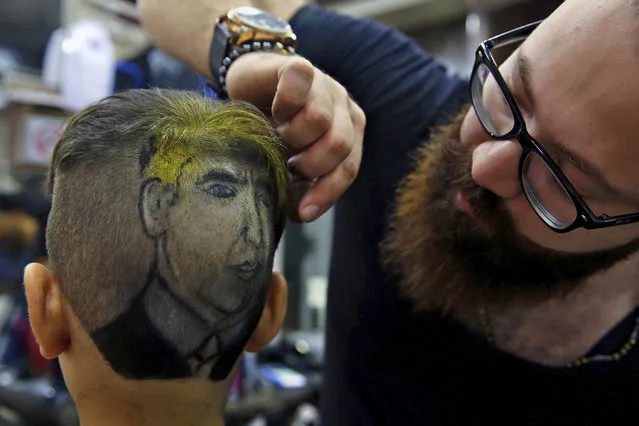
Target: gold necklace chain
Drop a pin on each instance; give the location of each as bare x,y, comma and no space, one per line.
613,357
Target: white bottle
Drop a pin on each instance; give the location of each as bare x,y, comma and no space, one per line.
52,65
88,64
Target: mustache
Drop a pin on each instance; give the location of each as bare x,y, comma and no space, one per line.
443,258
492,220
450,173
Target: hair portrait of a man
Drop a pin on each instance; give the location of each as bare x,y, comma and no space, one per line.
176,205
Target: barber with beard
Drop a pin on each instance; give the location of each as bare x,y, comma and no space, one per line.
497,287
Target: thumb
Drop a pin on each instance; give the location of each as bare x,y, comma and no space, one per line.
277,84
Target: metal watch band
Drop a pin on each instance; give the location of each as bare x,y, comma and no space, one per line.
251,46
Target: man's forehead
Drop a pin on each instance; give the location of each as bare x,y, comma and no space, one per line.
599,23
584,39
582,61
241,161
242,153
584,55
231,162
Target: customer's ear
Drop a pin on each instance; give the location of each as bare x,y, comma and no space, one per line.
272,316
156,200
46,310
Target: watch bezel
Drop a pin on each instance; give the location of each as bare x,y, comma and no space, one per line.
233,16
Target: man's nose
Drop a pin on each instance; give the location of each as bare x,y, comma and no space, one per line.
253,235
252,231
496,167
495,163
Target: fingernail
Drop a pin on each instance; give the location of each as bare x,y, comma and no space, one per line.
309,213
281,116
292,164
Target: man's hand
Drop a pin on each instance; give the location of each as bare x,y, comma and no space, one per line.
322,126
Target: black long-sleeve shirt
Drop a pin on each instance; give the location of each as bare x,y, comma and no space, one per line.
384,364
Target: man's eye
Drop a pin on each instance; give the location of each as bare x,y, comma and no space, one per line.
221,191
265,198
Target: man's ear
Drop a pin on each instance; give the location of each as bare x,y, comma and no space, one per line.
155,199
46,310
272,316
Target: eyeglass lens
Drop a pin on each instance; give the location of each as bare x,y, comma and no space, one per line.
543,189
490,104
545,193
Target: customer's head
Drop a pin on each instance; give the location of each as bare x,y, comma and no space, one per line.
212,201
171,204
575,83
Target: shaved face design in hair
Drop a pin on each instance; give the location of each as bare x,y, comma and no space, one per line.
208,184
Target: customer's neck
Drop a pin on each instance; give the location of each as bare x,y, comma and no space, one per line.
149,406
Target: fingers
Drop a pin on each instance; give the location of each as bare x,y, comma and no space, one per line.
295,82
328,133
302,125
327,152
265,79
334,159
330,187
299,187
316,118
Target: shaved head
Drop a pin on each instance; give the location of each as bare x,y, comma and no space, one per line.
167,209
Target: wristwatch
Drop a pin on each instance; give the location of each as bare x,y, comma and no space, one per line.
242,30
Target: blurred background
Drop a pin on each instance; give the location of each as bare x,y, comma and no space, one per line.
48,50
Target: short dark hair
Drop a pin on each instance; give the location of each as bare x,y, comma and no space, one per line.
97,168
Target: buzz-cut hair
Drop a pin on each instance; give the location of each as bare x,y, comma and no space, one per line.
98,166
174,126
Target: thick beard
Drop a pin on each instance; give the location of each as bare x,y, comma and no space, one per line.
444,259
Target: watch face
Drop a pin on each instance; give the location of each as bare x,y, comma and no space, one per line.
261,20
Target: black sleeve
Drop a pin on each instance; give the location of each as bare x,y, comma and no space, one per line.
385,71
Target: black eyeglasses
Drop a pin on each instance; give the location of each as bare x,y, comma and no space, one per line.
546,187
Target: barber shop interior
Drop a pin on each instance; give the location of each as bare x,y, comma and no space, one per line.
319,212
